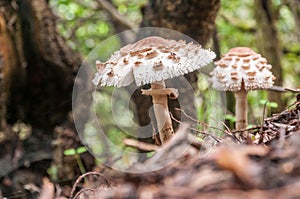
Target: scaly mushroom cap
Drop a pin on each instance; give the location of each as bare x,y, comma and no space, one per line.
149,60
242,68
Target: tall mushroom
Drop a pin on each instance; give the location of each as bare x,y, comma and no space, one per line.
153,60
239,71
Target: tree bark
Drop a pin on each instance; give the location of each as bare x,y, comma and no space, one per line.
195,18
37,71
39,66
269,45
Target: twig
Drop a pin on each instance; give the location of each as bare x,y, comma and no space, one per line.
115,14
297,90
82,177
199,122
140,145
228,131
196,130
263,118
84,190
247,129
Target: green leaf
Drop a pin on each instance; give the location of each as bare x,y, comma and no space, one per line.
229,117
70,152
263,101
273,104
268,103
81,150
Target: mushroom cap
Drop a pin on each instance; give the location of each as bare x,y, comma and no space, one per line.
242,68
151,59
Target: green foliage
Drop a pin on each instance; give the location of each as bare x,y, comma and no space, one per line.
230,118
53,172
78,150
268,103
236,25
84,24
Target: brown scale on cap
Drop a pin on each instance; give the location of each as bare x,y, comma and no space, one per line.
222,64
141,56
100,66
227,58
135,53
172,56
125,61
137,63
246,60
158,66
149,42
151,55
263,61
144,50
267,77
246,66
241,52
234,78
164,50
255,57
234,66
110,73
251,73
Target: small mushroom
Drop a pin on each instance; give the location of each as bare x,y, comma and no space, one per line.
152,60
249,71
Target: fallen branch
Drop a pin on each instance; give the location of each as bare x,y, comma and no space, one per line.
140,145
82,177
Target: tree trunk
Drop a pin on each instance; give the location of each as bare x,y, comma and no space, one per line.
39,66
195,18
269,44
37,71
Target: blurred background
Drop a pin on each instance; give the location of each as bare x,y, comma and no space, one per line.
43,43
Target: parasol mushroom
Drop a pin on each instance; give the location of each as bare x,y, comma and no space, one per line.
239,71
153,60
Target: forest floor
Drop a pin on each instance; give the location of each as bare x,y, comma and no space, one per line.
256,163
262,162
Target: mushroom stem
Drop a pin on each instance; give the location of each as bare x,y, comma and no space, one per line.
241,109
161,110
